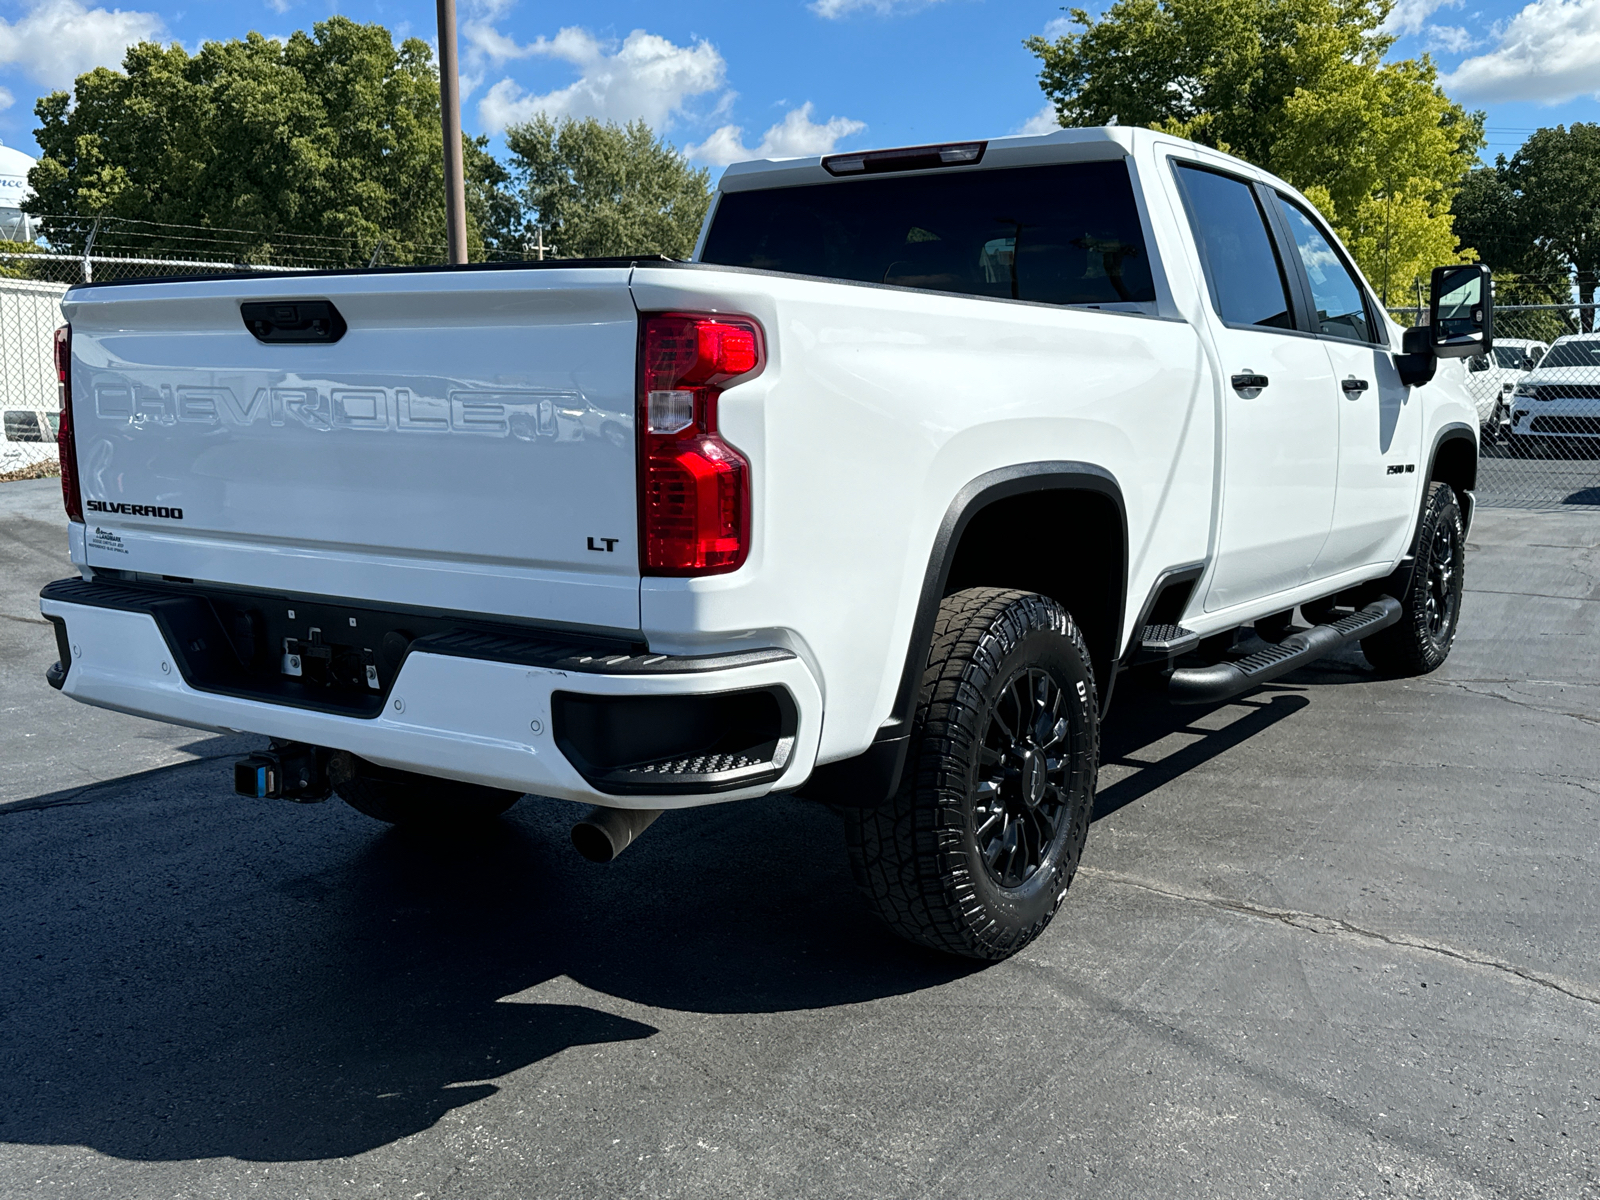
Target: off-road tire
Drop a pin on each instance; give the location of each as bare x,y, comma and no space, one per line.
420,801
917,857
1420,641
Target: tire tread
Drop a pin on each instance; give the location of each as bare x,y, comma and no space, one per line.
906,854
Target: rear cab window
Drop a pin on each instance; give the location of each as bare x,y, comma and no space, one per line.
1064,233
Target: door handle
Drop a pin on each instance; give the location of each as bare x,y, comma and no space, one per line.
1353,387
1249,382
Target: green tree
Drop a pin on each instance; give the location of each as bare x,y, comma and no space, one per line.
600,189
1492,217
330,139
1535,219
1299,87
1556,176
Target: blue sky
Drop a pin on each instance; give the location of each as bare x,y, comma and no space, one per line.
726,79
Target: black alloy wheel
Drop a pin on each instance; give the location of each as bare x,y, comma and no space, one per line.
1021,796
975,851
1431,608
1442,596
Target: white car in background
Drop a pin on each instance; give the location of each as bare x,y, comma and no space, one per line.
1559,401
1493,377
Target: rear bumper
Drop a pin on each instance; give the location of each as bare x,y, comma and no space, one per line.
479,720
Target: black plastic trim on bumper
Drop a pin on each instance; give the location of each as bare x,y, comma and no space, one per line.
1222,681
199,625
559,656
56,674
700,743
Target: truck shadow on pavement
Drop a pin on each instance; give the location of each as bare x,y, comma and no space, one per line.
188,975
1129,735
184,975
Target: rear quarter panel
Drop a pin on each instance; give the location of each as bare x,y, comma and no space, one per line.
877,406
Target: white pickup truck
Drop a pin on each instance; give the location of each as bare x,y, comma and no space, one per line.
873,500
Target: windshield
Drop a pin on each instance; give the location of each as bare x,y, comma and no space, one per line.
1514,358
1575,353
1062,234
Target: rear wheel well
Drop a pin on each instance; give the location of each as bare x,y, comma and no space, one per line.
1063,543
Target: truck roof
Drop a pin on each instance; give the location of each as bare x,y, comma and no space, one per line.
1061,145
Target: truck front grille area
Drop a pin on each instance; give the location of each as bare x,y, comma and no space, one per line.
676,745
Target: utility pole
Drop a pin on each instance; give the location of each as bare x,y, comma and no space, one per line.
455,191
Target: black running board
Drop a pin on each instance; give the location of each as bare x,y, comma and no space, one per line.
1222,681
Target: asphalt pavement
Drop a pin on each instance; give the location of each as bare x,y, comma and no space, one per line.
1335,939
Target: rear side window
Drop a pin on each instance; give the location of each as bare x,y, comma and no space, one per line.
1242,268
1061,234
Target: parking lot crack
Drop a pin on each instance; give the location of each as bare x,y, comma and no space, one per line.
1338,927
1533,595
1517,700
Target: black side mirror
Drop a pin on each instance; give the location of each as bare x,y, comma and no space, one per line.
1418,362
1461,311
1478,362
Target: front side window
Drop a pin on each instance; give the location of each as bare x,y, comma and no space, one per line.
1242,268
1062,234
1335,294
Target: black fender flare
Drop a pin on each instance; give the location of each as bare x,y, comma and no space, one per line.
872,776
1458,431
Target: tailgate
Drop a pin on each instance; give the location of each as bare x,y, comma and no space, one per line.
467,444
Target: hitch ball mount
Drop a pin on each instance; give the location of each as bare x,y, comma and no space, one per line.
292,771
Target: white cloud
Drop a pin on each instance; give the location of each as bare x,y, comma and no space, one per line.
1548,52
796,136
1060,27
646,78
1043,121
1409,16
1452,39
280,6
834,9
6,99
58,40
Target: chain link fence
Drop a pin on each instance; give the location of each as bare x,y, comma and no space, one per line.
30,311
1538,398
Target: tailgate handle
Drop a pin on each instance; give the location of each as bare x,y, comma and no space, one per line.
301,321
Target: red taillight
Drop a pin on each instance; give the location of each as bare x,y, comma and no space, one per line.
66,444
694,488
